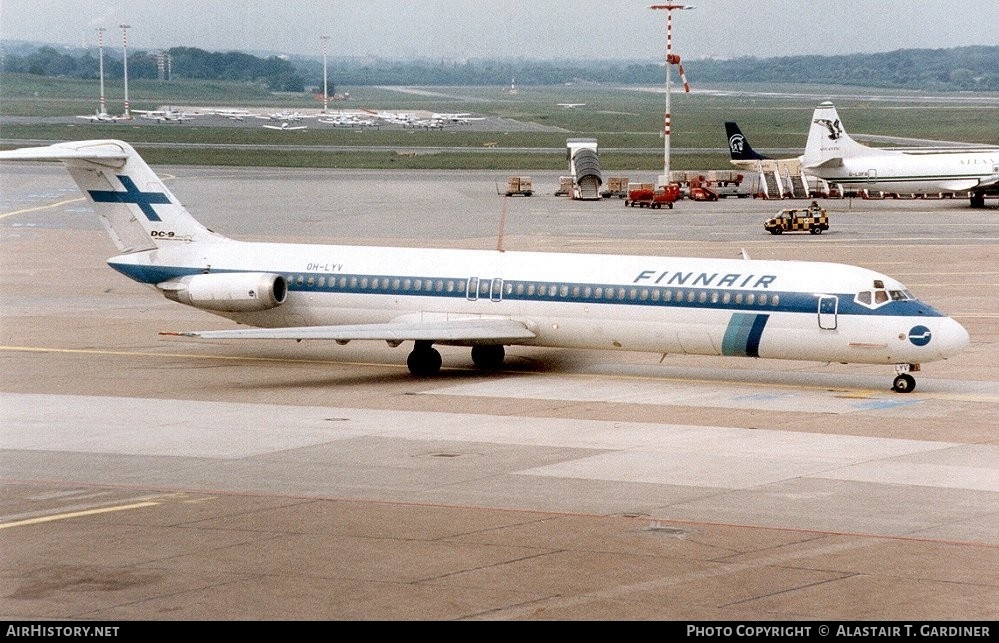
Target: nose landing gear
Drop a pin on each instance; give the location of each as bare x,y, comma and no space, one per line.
905,383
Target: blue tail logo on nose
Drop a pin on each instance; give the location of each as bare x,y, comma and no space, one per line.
920,335
132,194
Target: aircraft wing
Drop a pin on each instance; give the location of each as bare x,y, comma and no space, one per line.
989,181
833,162
463,330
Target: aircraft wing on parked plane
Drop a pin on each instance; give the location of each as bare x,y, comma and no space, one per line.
444,331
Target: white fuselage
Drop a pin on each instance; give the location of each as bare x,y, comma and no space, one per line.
783,310
920,172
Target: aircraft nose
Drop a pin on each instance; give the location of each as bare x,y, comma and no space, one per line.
953,338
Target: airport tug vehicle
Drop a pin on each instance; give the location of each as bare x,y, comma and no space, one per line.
813,219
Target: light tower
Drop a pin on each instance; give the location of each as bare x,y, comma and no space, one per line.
326,94
670,60
124,47
100,47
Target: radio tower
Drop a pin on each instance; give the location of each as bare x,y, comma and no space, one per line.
670,60
326,94
100,45
124,48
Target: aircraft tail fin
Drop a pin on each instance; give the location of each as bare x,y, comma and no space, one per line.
828,143
738,145
137,210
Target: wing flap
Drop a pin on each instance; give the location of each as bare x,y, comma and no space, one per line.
488,329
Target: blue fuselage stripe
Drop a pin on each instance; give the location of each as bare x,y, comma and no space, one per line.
743,335
770,301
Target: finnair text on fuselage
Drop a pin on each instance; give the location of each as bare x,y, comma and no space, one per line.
670,278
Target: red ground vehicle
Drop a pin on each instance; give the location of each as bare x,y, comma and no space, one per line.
646,197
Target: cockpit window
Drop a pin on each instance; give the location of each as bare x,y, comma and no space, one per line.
879,297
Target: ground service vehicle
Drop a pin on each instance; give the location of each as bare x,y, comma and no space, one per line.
519,185
813,219
616,186
647,196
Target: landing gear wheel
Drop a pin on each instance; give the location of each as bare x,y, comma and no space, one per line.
424,361
904,383
488,357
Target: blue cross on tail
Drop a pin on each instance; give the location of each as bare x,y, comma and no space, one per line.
132,194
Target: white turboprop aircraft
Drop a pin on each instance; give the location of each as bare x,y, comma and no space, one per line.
489,299
832,155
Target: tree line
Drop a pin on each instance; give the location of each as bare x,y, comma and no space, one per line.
958,69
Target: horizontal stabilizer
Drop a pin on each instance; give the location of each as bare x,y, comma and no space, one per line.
493,330
67,152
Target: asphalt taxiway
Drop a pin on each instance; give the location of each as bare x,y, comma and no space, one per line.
149,478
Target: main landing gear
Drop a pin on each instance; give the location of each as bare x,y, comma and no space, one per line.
905,383
425,360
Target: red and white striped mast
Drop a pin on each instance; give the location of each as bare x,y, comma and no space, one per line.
100,45
124,48
326,93
670,60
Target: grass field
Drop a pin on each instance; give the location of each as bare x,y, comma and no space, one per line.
626,122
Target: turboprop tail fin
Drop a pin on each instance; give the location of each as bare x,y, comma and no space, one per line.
828,143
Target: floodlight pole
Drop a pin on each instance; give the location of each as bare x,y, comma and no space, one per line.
124,44
325,40
669,8
100,46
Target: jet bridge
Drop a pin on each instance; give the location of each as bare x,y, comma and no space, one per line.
584,166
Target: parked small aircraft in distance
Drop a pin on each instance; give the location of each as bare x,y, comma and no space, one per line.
831,154
457,119
285,116
394,118
286,127
232,114
489,299
103,117
346,120
166,115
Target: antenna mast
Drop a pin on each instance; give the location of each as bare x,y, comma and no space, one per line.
670,60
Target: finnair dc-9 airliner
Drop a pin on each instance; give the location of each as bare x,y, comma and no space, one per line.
487,300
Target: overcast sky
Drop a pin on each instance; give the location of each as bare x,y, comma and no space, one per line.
545,29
